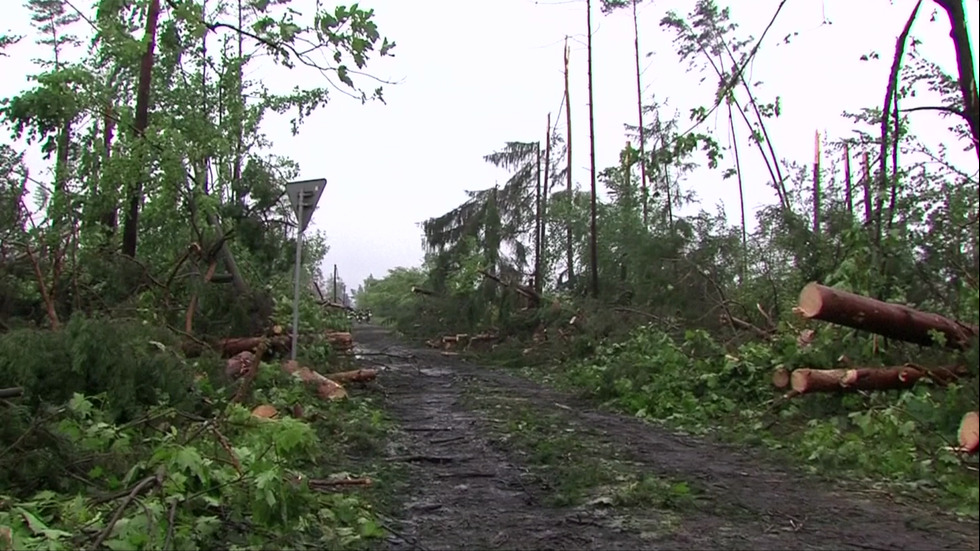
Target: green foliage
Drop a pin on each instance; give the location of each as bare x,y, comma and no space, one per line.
135,365
177,480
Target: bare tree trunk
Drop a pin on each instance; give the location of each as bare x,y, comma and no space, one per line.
891,90
140,123
544,195
848,191
593,242
741,192
537,223
644,190
569,253
866,182
816,183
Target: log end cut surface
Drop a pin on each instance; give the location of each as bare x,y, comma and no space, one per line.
970,432
811,300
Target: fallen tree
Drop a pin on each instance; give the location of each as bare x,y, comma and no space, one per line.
807,380
894,321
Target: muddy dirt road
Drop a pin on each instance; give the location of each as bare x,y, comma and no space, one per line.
498,462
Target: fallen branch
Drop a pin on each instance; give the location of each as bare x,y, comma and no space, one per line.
141,487
888,320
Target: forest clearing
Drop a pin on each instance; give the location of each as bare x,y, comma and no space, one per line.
597,365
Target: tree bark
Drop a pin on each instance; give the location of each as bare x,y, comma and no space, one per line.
894,321
140,123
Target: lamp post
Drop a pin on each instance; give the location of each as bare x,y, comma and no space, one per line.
303,196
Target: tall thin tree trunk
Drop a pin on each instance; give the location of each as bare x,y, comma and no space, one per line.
741,192
816,182
593,230
891,91
544,194
569,251
848,190
140,122
537,223
866,182
644,189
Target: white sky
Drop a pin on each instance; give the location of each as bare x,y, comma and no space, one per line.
471,79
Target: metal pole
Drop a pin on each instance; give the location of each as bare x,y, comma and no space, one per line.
299,253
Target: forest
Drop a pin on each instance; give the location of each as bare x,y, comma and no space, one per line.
153,396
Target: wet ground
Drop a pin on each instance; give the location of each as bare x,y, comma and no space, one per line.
488,452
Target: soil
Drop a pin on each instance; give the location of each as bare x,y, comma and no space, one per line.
470,488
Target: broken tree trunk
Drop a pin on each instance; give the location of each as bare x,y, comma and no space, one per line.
970,433
894,321
869,378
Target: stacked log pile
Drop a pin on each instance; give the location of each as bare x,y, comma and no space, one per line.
894,321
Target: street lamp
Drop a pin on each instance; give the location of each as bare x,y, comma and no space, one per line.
303,196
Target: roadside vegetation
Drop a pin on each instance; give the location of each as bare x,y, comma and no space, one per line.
146,287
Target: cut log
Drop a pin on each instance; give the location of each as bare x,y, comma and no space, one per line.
868,378
894,321
780,378
970,433
356,376
325,388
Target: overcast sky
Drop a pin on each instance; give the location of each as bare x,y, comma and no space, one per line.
472,78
